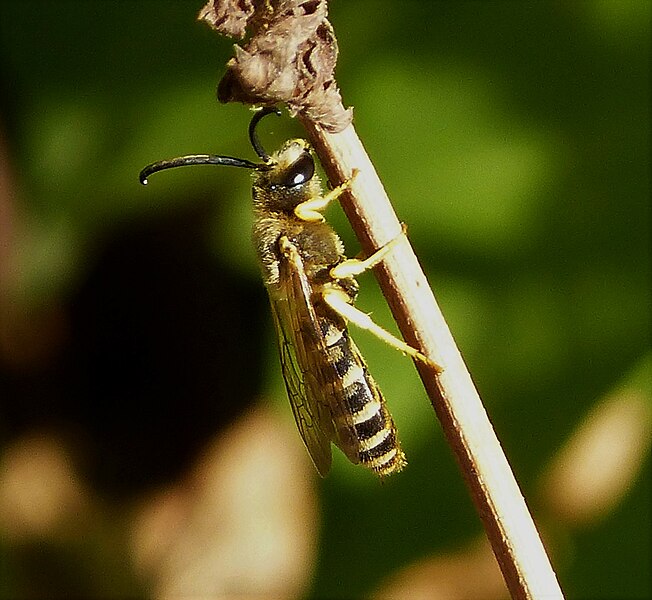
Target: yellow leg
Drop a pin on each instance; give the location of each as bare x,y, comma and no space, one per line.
354,266
311,210
338,301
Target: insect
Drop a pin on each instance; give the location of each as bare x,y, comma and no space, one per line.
312,289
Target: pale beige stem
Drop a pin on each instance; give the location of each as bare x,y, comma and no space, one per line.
510,529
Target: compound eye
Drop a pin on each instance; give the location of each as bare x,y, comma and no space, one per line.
300,171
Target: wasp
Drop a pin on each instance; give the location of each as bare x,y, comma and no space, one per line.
312,289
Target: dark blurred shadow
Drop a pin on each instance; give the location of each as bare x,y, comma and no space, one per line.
162,350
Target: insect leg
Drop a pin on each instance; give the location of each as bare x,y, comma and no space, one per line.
354,266
339,302
311,210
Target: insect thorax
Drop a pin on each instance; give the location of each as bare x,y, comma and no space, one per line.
319,246
274,203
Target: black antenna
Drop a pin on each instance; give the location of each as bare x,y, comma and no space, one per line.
195,159
215,159
255,142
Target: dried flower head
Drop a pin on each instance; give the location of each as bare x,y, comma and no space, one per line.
290,57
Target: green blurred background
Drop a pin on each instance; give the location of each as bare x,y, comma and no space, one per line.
512,137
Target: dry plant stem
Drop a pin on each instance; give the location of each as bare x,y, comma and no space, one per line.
511,531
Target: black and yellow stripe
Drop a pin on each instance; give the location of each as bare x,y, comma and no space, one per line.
376,442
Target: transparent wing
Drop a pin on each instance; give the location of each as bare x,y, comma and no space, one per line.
323,392
312,417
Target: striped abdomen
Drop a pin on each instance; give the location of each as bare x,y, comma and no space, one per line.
367,433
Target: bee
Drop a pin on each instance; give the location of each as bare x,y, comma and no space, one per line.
312,289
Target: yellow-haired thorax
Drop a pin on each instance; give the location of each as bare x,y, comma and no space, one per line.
289,180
